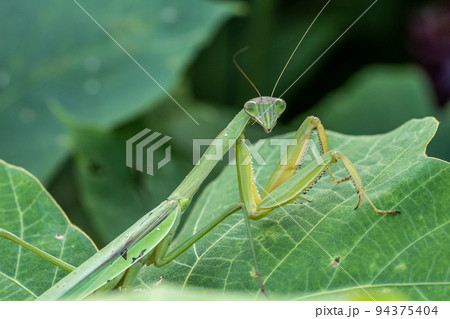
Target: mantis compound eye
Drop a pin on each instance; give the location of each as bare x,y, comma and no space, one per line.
280,106
251,108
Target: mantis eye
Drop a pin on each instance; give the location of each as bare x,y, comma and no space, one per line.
280,106
251,108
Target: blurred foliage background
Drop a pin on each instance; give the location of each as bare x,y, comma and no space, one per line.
70,97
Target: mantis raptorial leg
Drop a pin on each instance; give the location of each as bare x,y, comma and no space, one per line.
148,240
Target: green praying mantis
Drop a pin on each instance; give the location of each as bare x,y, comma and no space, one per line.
148,241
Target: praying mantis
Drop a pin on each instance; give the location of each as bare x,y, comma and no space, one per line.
148,241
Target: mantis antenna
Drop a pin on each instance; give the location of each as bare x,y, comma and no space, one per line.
330,46
298,44
242,71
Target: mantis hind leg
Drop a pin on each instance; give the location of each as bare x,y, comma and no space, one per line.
164,254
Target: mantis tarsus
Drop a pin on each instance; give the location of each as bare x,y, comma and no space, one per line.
148,240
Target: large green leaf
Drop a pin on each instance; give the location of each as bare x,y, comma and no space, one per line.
28,211
392,257
54,51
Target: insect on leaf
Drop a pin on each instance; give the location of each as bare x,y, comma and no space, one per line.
302,247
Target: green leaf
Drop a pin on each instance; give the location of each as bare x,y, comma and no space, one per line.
55,52
391,257
113,195
28,211
168,293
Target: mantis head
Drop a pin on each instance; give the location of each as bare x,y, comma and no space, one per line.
265,110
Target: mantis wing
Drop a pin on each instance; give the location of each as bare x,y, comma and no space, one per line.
132,245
